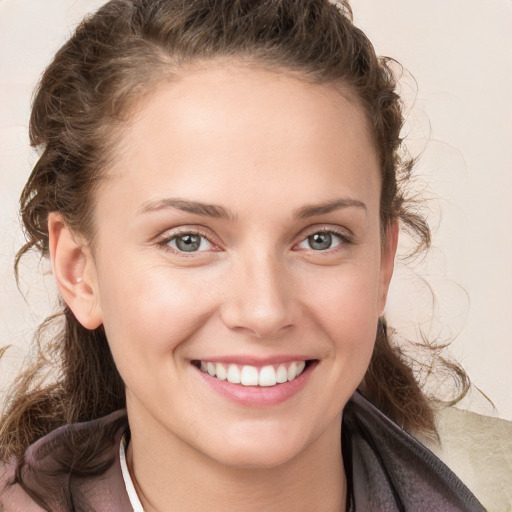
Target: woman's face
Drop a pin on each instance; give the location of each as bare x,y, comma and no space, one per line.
238,234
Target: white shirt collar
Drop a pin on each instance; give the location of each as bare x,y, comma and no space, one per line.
128,482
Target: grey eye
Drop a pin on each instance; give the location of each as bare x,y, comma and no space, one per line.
187,242
320,241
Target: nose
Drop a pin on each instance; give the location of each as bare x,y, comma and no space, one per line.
259,298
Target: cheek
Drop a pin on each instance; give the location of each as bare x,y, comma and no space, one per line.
347,308
349,296
150,312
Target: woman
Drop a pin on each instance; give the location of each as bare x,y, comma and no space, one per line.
218,194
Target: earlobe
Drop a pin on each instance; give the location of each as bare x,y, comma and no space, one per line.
387,262
75,272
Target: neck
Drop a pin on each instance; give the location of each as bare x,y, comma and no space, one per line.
171,475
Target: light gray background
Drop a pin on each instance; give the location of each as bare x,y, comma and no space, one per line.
459,120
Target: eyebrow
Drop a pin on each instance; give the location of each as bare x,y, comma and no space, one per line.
219,212
195,207
328,207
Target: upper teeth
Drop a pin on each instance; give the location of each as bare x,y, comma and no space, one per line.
251,375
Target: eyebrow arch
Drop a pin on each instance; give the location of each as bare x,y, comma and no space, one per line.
195,207
328,207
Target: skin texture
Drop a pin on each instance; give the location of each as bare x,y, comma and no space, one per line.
263,147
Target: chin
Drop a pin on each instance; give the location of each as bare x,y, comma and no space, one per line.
260,448
257,457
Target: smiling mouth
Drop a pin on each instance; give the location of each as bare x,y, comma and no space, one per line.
247,375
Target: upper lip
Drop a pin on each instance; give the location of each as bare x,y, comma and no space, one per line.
255,360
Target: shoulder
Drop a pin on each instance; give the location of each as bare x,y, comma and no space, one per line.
12,496
75,464
479,450
391,470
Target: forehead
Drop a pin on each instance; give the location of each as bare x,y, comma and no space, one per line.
219,128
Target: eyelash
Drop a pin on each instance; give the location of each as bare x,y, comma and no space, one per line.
345,239
168,238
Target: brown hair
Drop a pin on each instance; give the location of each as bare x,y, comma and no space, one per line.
114,57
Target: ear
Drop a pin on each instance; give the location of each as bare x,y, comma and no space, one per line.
387,262
75,272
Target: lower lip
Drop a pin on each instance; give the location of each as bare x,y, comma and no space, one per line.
258,396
